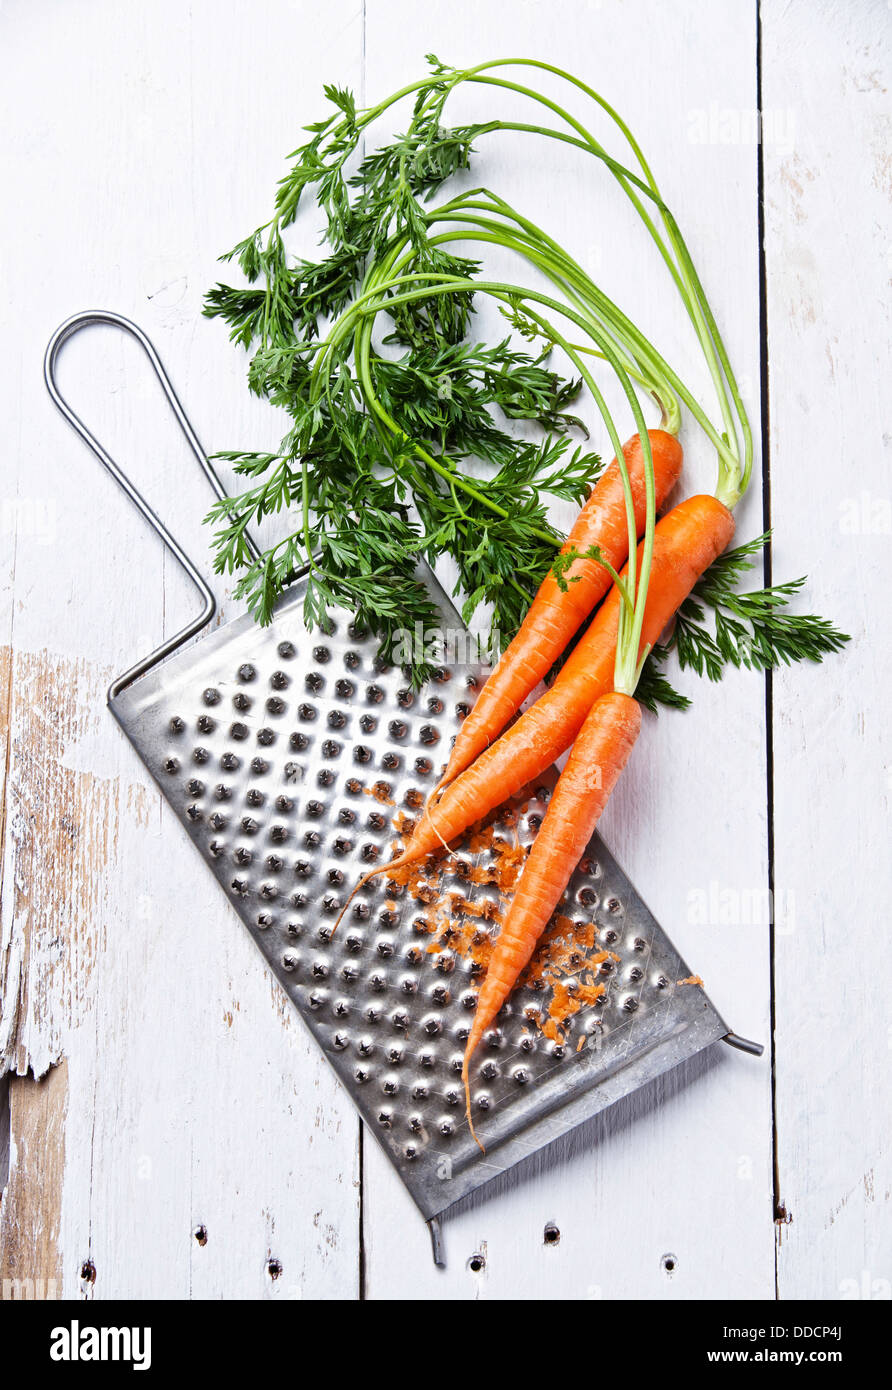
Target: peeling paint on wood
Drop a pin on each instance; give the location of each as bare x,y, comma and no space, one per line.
62,830
31,1203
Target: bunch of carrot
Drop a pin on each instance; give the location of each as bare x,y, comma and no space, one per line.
633,589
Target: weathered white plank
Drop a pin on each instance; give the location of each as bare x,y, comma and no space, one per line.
686,1169
193,1098
828,261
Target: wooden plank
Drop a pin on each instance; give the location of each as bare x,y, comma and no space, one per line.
685,1169
192,1097
31,1210
827,195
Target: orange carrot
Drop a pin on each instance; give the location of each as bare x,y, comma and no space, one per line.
554,614
686,541
599,755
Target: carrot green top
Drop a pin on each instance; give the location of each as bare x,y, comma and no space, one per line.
372,436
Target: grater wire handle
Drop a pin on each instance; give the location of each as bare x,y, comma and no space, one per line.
61,336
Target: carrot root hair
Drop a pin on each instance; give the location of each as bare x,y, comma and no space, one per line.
366,878
467,1085
432,799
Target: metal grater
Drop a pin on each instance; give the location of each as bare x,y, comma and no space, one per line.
287,755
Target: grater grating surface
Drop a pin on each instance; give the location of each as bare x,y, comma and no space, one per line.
280,752
287,755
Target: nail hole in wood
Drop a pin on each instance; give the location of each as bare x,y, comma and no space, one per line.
274,1268
669,1263
552,1234
201,1234
477,1263
88,1272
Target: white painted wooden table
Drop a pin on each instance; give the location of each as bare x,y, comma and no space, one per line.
157,1082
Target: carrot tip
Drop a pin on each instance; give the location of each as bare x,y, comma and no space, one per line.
467,1085
361,884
